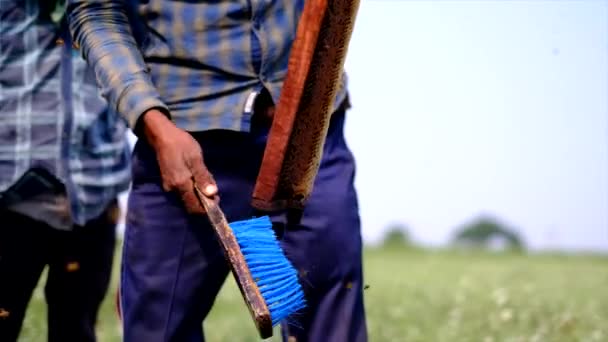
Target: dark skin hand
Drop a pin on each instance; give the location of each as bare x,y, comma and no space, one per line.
180,160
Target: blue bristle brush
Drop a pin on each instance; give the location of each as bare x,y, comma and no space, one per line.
267,280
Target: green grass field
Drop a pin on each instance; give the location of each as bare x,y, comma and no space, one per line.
437,296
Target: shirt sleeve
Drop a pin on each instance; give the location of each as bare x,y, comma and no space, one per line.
102,31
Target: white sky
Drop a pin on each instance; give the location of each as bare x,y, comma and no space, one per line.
470,107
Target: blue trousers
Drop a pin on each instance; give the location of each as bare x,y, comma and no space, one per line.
173,266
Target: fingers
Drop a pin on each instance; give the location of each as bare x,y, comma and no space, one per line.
180,181
204,182
202,177
182,166
190,200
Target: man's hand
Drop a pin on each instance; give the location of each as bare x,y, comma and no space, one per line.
180,160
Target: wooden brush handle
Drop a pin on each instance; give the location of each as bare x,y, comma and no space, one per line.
301,120
249,289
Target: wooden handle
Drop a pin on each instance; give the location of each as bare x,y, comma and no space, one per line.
249,289
301,121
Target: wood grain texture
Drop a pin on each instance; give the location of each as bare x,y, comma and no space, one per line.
249,289
301,121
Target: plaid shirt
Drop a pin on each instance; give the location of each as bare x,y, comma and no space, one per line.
201,61
52,115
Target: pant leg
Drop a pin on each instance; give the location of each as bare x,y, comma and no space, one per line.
326,248
79,275
23,255
173,266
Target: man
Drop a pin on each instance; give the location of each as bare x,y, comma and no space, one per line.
197,81
64,159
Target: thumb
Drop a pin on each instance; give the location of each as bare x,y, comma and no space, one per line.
203,179
209,190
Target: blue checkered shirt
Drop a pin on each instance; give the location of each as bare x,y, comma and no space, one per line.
52,114
201,61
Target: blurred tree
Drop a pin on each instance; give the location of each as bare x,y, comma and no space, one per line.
488,233
397,235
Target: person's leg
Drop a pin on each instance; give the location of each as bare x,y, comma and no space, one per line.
173,266
326,248
23,255
79,275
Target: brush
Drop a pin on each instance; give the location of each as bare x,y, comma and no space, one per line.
267,280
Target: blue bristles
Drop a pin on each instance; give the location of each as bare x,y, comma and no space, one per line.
275,276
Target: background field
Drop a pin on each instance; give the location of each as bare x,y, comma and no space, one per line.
417,295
